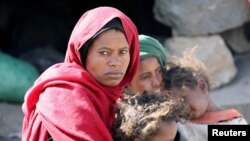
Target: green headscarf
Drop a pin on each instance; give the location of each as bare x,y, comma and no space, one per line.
151,47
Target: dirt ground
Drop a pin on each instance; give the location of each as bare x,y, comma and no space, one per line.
236,95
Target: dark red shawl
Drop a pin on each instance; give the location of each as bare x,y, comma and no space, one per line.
66,101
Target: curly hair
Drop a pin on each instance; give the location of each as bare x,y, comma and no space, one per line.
139,116
185,71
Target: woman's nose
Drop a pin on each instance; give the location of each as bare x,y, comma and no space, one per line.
156,82
115,61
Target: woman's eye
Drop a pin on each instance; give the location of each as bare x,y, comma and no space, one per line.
104,52
159,71
124,51
145,77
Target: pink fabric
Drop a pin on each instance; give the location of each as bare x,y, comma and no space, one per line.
217,116
66,101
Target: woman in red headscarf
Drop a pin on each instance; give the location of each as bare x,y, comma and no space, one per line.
75,100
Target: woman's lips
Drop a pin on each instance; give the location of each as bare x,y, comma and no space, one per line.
114,75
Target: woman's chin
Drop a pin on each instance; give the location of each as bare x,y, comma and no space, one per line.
112,83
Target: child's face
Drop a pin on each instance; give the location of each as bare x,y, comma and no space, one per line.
197,99
167,132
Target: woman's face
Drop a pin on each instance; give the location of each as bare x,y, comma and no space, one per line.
148,77
108,57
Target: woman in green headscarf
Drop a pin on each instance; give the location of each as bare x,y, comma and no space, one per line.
153,60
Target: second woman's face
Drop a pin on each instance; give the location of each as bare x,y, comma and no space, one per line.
108,57
148,77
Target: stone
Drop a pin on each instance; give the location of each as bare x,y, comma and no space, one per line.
201,17
212,51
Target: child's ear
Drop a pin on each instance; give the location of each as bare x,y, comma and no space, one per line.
203,86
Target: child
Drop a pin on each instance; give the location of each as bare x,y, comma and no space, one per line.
148,117
187,78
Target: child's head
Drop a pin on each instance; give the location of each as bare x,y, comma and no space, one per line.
187,77
148,117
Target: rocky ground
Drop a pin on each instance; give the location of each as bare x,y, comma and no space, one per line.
10,121
236,95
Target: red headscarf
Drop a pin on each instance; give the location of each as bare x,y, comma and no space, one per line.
66,102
